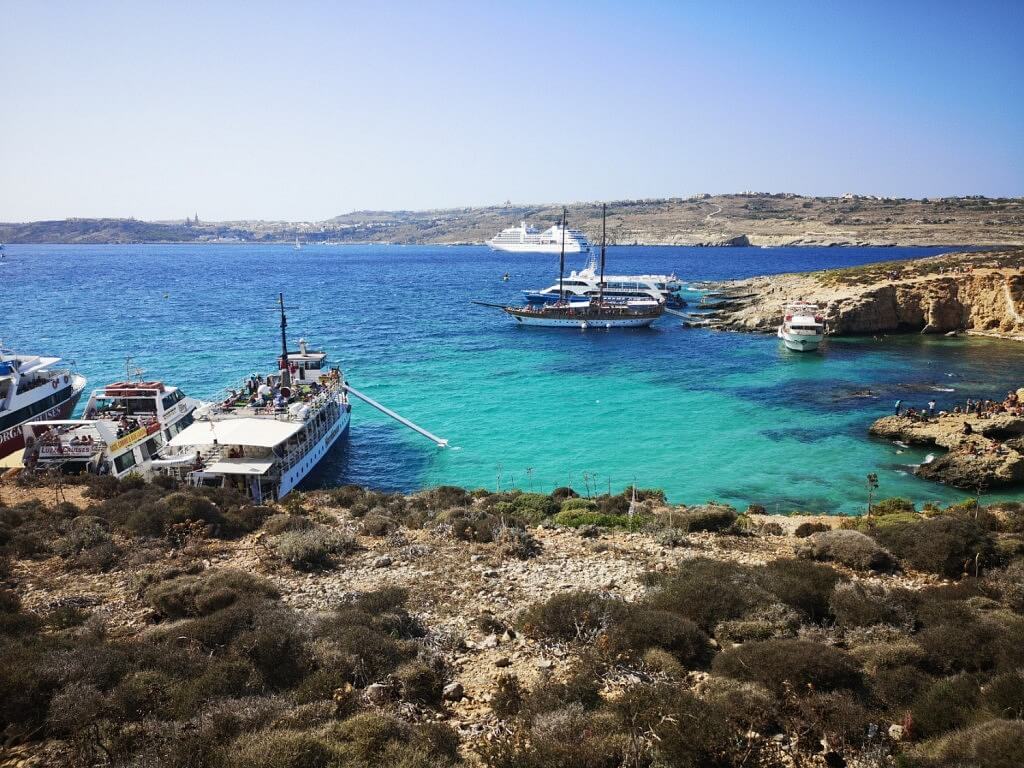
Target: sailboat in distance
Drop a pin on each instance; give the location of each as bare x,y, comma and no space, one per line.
592,312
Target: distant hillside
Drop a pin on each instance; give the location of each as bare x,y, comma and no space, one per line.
755,219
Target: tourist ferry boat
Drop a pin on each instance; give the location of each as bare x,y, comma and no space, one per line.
33,388
586,284
589,312
803,327
124,426
268,433
525,239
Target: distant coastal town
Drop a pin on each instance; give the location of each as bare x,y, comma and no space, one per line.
748,218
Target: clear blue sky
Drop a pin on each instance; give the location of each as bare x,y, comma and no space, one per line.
303,110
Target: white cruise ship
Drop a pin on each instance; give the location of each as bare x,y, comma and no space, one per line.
525,239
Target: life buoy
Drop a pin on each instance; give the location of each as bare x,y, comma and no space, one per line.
55,383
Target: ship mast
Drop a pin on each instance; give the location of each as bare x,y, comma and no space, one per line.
600,285
561,265
285,378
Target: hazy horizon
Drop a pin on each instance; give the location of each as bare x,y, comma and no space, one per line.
250,112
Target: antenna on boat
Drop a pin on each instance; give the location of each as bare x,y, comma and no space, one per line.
600,285
561,263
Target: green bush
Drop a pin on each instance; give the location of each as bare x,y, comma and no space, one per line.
1003,695
345,496
562,493
892,505
802,664
578,519
575,504
897,687
445,497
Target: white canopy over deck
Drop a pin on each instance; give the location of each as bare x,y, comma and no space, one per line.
264,433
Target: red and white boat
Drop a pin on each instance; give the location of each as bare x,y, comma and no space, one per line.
33,388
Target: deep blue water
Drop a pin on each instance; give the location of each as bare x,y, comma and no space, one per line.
702,414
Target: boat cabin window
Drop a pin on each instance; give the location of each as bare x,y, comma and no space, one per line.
124,461
5,387
172,398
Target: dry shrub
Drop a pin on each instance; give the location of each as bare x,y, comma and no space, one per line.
860,604
806,529
993,744
802,585
850,548
313,548
507,696
706,517
202,594
638,629
947,546
568,616
279,748
419,682
944,705
706,591
801,664
282,523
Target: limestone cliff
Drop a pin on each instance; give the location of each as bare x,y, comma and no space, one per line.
977,293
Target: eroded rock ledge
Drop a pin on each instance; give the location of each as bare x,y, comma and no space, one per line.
979,293
988,454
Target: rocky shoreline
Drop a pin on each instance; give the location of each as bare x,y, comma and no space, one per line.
974,293
982,453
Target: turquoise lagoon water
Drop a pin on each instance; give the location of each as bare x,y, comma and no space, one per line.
702,414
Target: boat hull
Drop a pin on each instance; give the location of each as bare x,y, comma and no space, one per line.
582,322
799,343
13,439
296,474
530,248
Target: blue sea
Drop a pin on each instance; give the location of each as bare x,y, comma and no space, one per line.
702,414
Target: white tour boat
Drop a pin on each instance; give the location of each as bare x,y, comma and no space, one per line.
525,239
586,283
124,426
33,388
267,434
802,327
